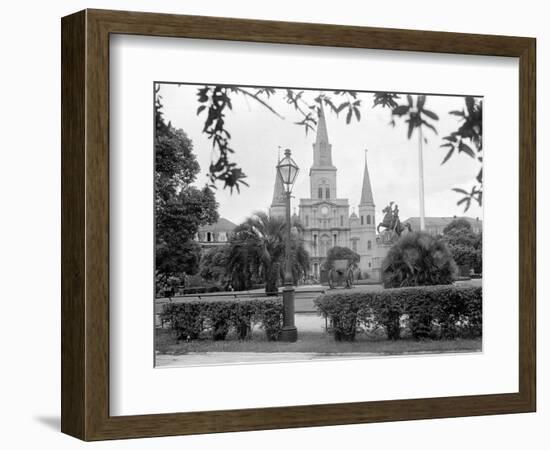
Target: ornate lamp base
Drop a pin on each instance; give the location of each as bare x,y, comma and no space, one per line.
289,334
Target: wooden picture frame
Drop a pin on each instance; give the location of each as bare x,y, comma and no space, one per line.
85,224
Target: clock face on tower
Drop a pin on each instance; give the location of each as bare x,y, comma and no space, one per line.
324,210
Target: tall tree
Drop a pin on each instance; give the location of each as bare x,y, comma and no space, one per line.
180,208
465,245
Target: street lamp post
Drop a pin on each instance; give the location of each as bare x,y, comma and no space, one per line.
287,169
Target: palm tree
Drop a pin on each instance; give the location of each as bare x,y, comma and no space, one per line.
417,117
257,249
418,259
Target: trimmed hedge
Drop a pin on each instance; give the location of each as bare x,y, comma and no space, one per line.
435,312
217,317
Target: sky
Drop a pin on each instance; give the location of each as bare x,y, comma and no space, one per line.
257,135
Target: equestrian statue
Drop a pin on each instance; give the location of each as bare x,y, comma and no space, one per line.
391,221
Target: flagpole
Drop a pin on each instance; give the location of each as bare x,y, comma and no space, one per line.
421,179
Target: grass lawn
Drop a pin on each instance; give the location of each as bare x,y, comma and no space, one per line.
312,342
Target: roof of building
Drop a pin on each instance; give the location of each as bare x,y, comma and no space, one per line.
221,225
440,221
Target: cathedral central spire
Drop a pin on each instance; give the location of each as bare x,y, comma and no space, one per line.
322,133
322,149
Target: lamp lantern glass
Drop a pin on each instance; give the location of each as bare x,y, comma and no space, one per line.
288,171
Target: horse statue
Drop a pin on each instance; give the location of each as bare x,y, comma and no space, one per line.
391,221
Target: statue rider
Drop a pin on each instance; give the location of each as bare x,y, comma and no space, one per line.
395,218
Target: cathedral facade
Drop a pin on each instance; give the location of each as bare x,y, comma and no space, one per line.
326,218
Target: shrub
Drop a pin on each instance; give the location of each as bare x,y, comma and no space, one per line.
218,316
459,223
270,316
243,318
184,318
418,259
446,312
465,247
342,310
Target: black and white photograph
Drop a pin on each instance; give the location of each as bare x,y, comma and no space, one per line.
296,224
264,225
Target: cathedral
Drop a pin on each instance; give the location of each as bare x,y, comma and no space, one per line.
326,218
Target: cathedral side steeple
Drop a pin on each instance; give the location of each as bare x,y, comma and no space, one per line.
278,205
363,230
366,206
366,190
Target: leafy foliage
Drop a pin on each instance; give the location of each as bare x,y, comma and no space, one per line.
180,208
213,265
257,249
468,139
217,318
437,312
418,259
464,244
215,101
385,100
416,117
340,253
457,224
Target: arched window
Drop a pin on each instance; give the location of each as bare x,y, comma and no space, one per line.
327,193
362,220
368,219
209,237
369,245
341,221
320,192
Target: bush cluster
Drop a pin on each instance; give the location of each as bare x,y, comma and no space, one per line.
418,259
217,317
434,312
